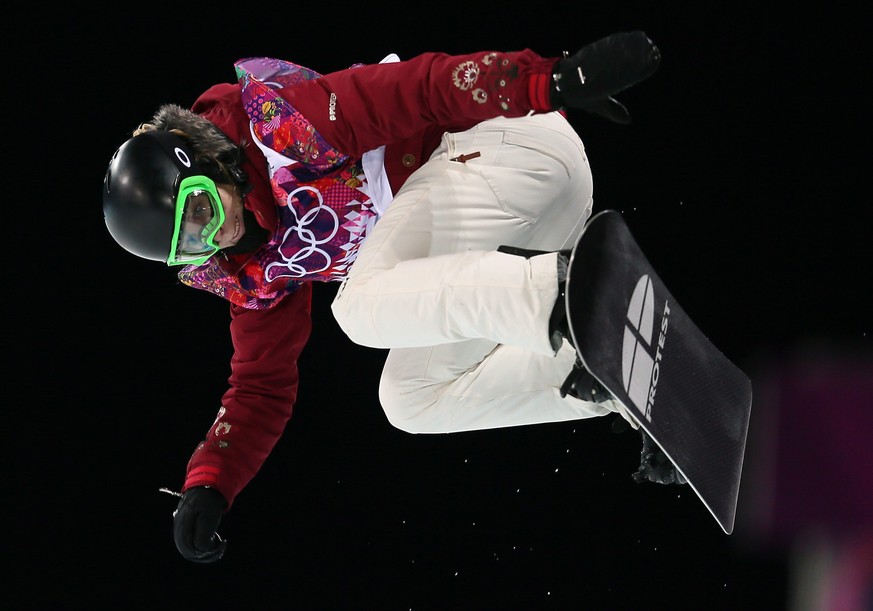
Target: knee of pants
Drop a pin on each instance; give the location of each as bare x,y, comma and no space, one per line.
404,407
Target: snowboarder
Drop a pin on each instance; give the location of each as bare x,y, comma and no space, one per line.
439,191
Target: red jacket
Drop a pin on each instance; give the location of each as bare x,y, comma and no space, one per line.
406,107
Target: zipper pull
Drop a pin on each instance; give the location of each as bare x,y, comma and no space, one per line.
466,157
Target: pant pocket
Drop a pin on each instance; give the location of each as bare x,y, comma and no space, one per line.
527,174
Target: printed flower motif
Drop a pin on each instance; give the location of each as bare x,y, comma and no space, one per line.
272,125
465,75
268,108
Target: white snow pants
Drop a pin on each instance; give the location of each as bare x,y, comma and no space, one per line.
467,326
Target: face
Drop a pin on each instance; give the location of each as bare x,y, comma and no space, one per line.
233,228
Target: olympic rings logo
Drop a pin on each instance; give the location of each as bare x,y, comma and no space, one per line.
301,233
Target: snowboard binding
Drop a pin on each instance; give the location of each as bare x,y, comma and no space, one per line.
655,466
582,385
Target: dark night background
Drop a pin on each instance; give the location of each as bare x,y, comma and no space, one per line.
745,178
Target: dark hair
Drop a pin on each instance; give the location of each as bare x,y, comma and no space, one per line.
215,154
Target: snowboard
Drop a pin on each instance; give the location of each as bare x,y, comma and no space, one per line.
635,338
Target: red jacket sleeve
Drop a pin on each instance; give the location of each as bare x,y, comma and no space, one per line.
362,108
263,389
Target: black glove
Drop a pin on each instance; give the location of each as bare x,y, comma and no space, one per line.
655,466
589,79
194,524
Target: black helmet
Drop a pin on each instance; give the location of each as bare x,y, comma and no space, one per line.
140,192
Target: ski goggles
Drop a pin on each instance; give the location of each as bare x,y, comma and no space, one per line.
199,215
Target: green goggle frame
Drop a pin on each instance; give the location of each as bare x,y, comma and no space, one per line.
199,216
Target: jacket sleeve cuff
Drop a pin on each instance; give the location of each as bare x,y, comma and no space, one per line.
538,92
207,475
539,85
201,475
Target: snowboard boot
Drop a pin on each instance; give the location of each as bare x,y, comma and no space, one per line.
655,466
